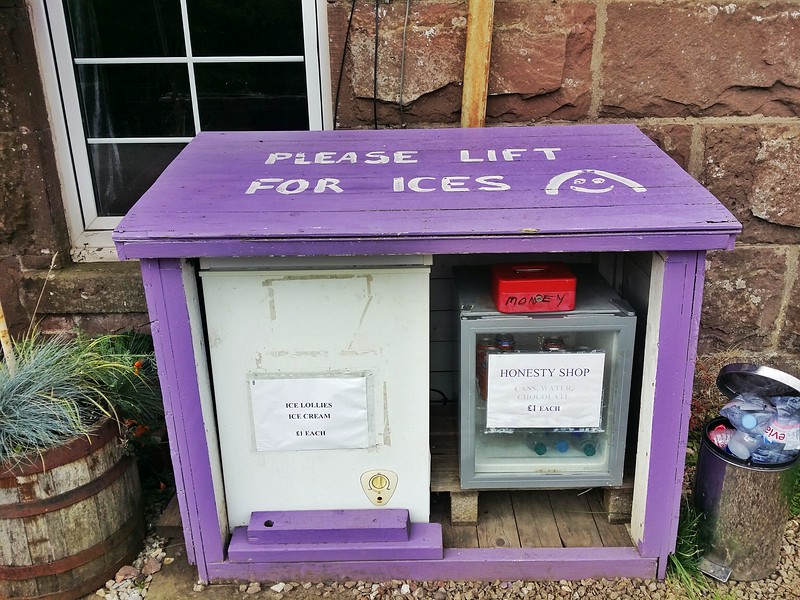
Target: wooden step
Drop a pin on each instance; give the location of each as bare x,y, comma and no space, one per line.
307,526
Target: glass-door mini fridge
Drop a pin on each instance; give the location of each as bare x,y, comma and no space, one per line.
544,396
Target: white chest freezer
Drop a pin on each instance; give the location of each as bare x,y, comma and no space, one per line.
320,376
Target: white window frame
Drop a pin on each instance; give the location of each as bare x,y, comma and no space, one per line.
90,234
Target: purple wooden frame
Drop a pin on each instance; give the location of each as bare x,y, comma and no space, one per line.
170,281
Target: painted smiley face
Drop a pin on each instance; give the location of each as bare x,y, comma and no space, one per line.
578,184
598,182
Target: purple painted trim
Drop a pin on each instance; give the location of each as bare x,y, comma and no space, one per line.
352,223
679,326
334,526
424,543
460,565
172,337
205,248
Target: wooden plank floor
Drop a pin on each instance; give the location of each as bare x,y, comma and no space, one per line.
532,519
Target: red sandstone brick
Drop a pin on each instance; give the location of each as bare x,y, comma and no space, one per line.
749,169
675,140
742,299
670,59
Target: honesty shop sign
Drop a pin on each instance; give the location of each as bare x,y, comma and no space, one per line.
562,390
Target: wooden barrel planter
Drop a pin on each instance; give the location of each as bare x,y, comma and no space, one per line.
69,519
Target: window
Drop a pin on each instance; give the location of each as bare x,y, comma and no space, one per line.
130,82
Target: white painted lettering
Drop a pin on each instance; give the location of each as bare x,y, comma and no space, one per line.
350,157
276,156
492,183
300,159
465,157
455,184
262,184
324,158
405,156
414,184
550,153
327,183
292,186
451,183
378,157
510,154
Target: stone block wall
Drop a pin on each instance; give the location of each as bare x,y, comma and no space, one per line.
31,221
717,86
33,234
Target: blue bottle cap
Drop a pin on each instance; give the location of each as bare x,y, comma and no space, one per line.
562,445
748,421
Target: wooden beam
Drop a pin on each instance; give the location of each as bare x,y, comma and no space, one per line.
480,22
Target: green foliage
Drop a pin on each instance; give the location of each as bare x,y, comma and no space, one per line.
129,376
61,386
682,568
794,504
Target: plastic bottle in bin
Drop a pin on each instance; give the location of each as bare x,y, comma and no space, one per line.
750,415
780,440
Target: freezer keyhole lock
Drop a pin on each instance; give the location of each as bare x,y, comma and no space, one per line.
379,485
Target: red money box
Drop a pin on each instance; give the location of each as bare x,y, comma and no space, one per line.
537,287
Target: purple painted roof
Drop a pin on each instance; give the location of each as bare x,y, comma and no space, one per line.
421,191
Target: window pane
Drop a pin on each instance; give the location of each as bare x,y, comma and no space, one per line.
252,96
123,28
135,100
246,27
123,172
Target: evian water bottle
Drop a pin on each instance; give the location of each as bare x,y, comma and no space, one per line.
781,438
750,415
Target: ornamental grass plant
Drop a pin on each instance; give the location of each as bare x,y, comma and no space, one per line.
55,388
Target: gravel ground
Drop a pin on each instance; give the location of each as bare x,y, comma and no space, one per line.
132,583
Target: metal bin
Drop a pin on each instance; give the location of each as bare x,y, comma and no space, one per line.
745,505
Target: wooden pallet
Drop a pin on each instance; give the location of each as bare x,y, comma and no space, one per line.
532,519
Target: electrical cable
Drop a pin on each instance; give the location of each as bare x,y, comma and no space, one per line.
375,71
403,64
444,397
341,67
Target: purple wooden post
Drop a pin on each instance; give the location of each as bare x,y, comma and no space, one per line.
679,323
165,283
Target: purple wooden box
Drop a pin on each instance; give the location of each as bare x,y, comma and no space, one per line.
600,191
